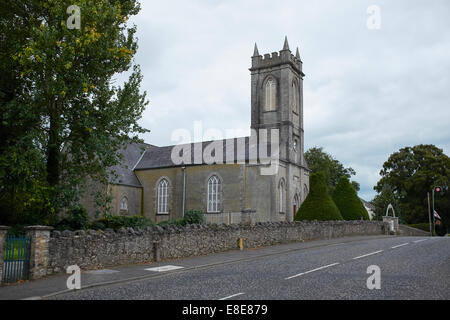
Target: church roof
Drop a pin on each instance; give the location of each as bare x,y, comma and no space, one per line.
161,157
123,173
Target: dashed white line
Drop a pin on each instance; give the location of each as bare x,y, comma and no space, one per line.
232,296
420,240
400,245
317,269
366,255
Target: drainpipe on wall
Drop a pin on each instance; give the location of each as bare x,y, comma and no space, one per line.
184,189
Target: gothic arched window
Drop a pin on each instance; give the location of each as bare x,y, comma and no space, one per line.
282,197
124,204
271,93
214,194
163,197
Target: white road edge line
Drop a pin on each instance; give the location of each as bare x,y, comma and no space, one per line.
366,255
232,296
317,269
420,240
400,245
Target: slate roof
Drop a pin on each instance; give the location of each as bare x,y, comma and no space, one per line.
367,204
124,171
160,157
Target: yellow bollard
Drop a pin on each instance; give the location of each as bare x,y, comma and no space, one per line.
241,243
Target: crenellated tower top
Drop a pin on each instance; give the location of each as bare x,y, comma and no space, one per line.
284,56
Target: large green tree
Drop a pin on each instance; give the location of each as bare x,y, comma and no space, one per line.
64,113
411,173
321,161
382,200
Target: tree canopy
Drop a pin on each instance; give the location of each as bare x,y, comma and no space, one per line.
62,119
318,205
348,202
411,173
333,170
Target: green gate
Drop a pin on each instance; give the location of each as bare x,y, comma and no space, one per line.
17,259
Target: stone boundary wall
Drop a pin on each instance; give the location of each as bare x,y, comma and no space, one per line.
95,250
409,231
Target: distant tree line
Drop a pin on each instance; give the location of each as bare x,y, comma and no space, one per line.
406,178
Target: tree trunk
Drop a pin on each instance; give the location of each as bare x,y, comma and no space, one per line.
53,155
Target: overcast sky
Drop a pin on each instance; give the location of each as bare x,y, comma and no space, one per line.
367,93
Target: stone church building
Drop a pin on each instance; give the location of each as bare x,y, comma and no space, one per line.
152,181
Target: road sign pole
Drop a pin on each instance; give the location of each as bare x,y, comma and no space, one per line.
434,219
429,212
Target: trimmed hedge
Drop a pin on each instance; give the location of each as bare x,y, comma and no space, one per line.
318,205
346,199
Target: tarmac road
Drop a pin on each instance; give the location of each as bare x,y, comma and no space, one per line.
410,268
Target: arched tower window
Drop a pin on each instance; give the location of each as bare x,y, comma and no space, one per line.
214,194
271,93
295,95
163,197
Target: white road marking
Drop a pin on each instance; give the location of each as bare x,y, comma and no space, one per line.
232,296
317,269
366,255
400,245
164,268
420,240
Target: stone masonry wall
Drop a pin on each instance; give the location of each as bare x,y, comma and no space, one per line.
408,231
95,250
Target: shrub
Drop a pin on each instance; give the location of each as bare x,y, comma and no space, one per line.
97,225
77,219
194,216
318,205
117,222
346,199
190,217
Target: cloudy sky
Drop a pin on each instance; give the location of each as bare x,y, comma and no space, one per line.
367,92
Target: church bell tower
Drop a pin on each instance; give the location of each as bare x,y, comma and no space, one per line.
277,99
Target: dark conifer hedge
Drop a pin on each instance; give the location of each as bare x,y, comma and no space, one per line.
318,205
348,202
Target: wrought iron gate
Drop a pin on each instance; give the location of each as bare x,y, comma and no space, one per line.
17,259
